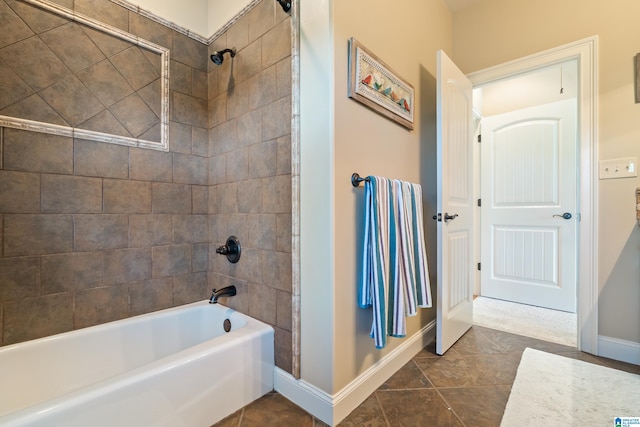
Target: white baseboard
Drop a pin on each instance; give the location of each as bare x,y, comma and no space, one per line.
622,350
332,409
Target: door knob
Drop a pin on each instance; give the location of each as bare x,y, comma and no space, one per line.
565,215
448,217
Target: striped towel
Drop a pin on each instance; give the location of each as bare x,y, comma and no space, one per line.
375,259
395,277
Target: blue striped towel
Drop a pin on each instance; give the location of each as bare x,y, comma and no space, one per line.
395,278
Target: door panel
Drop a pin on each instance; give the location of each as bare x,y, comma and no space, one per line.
455,198
529,175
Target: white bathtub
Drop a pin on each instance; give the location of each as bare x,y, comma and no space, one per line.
175,367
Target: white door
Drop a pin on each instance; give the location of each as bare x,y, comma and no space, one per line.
455,204
528,182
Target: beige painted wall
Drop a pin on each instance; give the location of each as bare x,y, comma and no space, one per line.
340,136
494,31
191,14
406,38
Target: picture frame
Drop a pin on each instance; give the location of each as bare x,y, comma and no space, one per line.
376,85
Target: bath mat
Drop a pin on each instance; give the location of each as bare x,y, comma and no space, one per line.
535,322
552,390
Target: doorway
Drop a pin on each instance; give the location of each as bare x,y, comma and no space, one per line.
528,186
584,54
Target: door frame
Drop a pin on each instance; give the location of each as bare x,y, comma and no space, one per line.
586,51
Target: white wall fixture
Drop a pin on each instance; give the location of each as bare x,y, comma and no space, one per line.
618,168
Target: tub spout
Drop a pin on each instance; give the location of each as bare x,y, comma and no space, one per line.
229,291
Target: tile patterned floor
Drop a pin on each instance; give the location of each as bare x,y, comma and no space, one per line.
469,386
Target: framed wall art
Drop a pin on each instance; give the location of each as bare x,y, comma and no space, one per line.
376,85
637,77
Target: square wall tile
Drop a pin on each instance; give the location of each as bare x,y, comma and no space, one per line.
104,11
100,159
276,43
101,232
278,275
70,272
276,119
71,194
189,51
150,30
262,231
150,295
38,317
37,234
276,194
200,196
189,110
283,310
262,303
200,257
123,196
190,169
172,260
263,159
190,228
171,198
19,192
127,265
100,305
190,288
151,165
261,19
283,354
37,152
19,278
150,230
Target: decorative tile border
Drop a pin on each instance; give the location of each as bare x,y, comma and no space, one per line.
161,20
36,126
295,188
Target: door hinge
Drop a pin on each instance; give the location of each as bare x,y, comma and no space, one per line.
479,265
479,138
479,202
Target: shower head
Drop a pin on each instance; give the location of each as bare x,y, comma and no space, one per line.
218,57
286,5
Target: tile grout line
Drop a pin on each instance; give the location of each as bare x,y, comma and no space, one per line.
449,407
384,414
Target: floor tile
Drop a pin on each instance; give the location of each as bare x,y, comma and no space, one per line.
452,371
369,414
512,342
417,408
407,377
275,410
474,342
476,406
469,386
500,368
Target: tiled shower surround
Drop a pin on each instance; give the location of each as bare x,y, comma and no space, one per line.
92,232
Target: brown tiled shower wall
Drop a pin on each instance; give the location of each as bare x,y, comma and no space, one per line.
92,232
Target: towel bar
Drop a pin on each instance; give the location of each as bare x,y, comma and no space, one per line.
356,179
